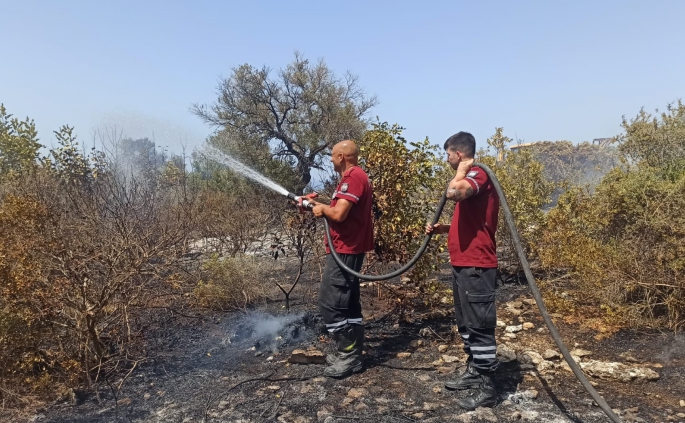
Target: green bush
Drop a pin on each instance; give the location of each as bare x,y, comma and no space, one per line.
626,241
527,191
408,180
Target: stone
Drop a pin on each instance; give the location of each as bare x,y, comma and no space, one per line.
437,389
516,415
530,394
545,366
532,357
529,301
442,348
146,396
513,329
485,414
510,335
357,392
681,415
324,413
527,395
515,304
418,415
682,403
306,389
449,358
618,371
430,406
404,355
311,356
578,352
445,370
514,311
425,333
528,326
437,363
273,387
505,354
501,324
551,355
361,407
124,401
628,356
347,401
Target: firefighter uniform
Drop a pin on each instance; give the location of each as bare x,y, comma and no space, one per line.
471,244
339,296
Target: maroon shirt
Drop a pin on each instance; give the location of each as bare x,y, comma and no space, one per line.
354,235
471,240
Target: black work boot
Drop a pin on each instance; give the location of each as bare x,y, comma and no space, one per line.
468,379
349,353
484,396
332,358
359,338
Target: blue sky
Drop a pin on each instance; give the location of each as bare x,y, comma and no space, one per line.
544,70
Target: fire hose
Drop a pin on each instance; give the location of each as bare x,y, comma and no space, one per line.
509,218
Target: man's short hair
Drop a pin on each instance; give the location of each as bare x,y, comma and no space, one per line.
463,142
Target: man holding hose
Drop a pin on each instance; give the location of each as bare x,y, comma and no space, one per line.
471,244
350,221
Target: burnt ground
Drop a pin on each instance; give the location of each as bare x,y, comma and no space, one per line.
232,367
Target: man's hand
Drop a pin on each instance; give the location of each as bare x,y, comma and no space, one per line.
463,169
318,209
437,229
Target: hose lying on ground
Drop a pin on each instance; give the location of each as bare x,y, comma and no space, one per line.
509,218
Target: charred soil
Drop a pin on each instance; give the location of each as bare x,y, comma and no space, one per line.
233,367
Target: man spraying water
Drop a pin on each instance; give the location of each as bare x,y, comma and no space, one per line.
351,228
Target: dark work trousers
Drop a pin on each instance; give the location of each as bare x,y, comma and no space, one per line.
474,304
339,293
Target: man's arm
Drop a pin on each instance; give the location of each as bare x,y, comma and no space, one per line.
459,190
337,213
438,228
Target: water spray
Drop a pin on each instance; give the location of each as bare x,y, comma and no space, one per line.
305,203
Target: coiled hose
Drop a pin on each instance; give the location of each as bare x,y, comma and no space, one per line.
509,218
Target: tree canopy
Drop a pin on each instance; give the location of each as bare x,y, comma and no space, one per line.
293,116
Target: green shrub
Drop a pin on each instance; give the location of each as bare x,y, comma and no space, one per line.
625,243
